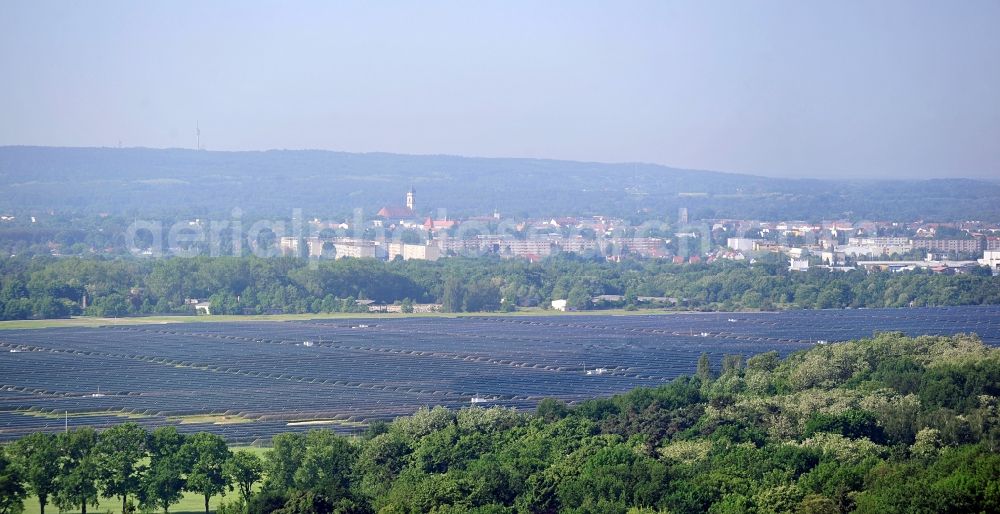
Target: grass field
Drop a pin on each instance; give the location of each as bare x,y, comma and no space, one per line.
217,419
192,503
81,321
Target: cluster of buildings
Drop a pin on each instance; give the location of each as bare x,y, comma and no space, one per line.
489,235
876,246
942,248
531,249
400,232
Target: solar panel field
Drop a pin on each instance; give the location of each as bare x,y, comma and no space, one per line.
248,381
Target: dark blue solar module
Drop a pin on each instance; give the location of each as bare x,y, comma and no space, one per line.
348,372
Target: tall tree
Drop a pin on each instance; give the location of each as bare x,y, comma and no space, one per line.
704,370
481,295
284,459
11,488
731,363
205,455
119,451
453,296
326,465
244,469
163,482
78,471
37,455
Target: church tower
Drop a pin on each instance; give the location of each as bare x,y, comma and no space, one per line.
410,198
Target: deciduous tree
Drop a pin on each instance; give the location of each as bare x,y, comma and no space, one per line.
79,470
11,487
244,469
204,456
119,452
37,455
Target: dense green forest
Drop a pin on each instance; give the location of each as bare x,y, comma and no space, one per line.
887,424
45,287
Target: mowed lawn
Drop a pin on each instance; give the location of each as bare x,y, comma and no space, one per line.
191,502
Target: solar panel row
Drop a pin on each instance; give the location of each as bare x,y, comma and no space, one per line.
347,372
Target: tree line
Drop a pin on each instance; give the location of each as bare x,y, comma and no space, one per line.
46,287
147,470
887,424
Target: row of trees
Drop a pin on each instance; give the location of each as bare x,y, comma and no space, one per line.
149,470
51,288
889,424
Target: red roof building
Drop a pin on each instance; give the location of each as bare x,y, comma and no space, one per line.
433,224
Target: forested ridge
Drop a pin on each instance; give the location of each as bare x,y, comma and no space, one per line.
147,182
48,287
887,424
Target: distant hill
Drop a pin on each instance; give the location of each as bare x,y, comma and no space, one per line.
177,182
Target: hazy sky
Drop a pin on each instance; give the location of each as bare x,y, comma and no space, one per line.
800,88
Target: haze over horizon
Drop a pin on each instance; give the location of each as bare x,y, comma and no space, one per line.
852,90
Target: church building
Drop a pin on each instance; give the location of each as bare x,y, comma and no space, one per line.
399,212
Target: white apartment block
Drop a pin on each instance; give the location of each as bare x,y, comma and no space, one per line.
428,252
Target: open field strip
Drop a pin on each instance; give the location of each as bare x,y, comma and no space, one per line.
85,321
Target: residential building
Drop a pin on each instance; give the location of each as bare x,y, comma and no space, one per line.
433,224
290,246
798,265
644,246
357,249
991,258
427,252
879,241
741,244
938,266
949,245
833,258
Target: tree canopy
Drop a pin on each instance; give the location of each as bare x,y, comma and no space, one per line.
46,287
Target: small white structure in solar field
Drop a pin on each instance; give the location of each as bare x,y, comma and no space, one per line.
481,399
98,394
597,371
732,320
308,344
